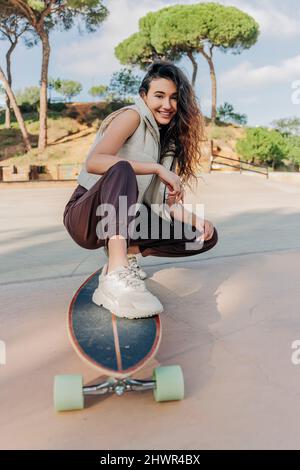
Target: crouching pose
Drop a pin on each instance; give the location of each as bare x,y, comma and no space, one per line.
143,154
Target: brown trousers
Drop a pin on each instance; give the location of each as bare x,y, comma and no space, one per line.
80,218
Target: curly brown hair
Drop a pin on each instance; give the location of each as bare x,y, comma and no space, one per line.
186,130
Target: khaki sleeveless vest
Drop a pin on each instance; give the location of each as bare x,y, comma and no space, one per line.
144,146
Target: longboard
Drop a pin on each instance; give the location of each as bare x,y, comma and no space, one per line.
116,347
113,345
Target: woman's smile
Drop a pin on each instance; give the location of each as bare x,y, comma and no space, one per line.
164,114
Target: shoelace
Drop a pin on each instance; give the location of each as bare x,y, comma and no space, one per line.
133,264
131,278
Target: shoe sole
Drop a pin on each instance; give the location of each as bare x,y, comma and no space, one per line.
101,299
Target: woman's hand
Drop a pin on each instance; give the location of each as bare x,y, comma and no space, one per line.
173,183
174,197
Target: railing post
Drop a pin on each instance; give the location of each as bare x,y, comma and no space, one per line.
211,155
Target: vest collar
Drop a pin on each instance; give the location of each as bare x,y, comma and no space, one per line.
146,112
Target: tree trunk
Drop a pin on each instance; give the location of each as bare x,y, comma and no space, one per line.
195,67
16,109
213,85
213,91
9,79
7,113
43,92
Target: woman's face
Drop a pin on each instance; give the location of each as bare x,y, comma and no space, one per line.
162,100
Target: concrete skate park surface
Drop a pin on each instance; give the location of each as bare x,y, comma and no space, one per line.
231,316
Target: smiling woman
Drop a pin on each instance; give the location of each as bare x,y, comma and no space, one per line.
172,101
163,103
137,148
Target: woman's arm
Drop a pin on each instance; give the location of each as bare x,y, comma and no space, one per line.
180,213
103,155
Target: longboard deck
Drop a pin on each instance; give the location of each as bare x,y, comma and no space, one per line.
117,347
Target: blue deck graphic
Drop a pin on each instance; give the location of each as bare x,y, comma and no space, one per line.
93,331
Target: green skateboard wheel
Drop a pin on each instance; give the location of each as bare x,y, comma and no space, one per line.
169,383
68,392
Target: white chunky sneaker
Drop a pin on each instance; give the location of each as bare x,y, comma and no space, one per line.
134,266
125,294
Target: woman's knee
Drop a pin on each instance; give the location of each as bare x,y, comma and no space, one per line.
119,173
88,244
209,244
214,239
122,167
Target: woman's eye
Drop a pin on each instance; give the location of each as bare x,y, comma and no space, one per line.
174,97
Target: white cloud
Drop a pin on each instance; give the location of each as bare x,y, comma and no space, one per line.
246,100
273,18
245,74
94,55
273,22
205,104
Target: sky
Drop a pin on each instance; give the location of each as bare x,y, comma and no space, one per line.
262,82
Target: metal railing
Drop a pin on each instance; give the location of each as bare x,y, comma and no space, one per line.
239,167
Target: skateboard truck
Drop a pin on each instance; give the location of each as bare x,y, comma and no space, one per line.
167,384
119,386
